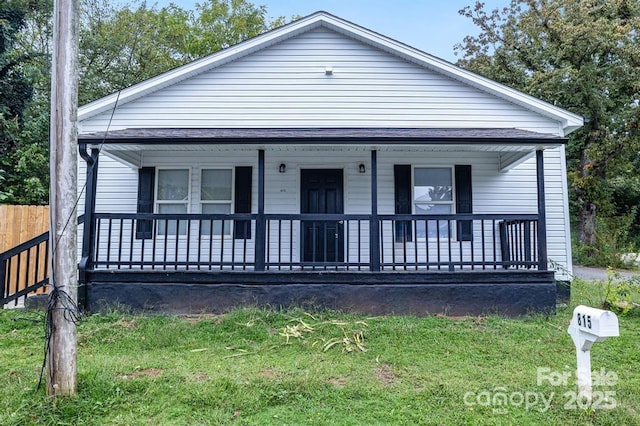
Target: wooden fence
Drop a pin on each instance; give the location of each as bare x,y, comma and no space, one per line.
17,225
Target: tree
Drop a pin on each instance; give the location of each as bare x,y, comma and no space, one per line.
120,47
582,55
17,91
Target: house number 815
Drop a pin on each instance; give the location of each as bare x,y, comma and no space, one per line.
584,320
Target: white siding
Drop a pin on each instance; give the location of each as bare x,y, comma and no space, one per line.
285,86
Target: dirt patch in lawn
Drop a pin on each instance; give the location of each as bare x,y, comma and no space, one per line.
268,373
338,382
385,374
146,372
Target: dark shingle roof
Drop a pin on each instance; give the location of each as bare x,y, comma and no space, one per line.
318,135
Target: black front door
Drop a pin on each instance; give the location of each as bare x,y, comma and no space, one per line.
321,193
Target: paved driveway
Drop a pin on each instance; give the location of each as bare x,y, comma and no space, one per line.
589,273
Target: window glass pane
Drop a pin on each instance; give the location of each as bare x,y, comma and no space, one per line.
216,185
170,226
433,208
173,185
433,225
205,226
432,184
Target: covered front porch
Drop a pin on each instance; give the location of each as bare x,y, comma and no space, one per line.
375,257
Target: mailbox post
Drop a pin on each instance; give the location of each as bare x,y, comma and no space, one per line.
587,326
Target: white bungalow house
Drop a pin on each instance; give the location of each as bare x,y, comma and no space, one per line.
324,163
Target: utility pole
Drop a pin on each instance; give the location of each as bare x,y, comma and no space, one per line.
62,366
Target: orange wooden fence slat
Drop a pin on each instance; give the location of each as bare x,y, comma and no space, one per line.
17,225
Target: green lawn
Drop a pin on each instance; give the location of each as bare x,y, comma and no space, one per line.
239,369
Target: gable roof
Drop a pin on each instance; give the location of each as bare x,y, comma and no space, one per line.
568,120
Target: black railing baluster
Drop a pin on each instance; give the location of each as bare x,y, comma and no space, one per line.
97,239
438,243
17,278
133,230
360,244
449,244
36,275
199,259
165,244
393,247
245,225
426,243
233,249
210,244
3,278
495,249
291,244
535,243
188,243
484,257
335,247
267,262
404,245
28,266
233,265
177,246
279,244
119,243
414,230
109,228
471,247
154,230
382,253
347,256
130,248
460,253
313,248
46,258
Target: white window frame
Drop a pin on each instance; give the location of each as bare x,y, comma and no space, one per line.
158,202
229,202
452,203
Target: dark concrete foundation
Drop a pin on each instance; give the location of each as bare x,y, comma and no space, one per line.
461,294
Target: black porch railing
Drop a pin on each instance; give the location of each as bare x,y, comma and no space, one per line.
292,242
24,269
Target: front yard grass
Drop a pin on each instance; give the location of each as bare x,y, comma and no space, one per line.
255,366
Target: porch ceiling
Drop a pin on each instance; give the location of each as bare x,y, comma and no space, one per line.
513,144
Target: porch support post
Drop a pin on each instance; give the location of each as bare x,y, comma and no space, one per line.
89,231
542,214
260,221
374,227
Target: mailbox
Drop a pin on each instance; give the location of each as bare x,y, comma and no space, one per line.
593,325
589,325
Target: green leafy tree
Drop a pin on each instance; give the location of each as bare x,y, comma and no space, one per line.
582,55
23,133
121,47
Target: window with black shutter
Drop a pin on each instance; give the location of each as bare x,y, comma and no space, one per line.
464,202
146,188
242,201
402,184
432,192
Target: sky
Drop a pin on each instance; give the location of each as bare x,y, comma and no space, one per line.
433,26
